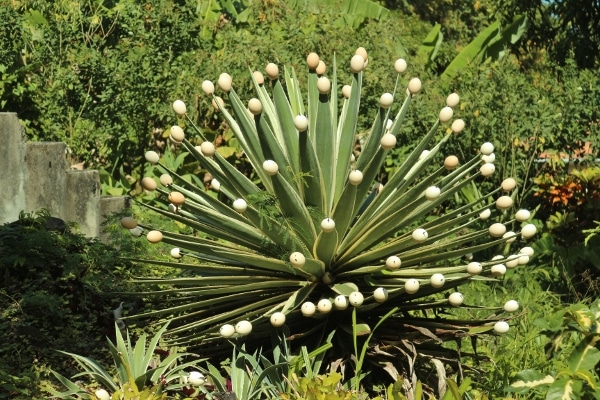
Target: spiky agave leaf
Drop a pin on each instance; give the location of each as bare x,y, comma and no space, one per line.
312,234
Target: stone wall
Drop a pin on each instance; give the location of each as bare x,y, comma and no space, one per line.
36,175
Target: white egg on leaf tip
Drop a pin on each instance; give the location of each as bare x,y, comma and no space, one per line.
380,294
227,330
297,259
277,319
393,262
324,306
179,107
511,306
196,378
243,327
411,286
327,225
341,302
501,327
308,309
420,235
437,280
456,299
356,299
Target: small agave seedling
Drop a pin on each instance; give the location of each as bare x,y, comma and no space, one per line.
138,372
311,236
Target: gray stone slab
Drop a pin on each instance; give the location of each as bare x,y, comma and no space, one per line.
12,150
82,200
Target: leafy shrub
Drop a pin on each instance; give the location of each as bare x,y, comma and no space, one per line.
572,347
568,206
97,76
143,371
55,286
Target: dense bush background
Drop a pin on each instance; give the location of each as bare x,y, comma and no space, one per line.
101,77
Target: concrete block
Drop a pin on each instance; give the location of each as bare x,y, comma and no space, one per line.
110,205
45,166
82,200
12,150
36,175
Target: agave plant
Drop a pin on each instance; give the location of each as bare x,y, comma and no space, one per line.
310,239
141,373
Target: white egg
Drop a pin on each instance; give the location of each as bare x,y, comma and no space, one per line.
297,259
388,141
511,306
497,230
327,225
528,231
227,330
355,177
414,86
432,192
176,252
341,302
487,148
456,299
243,327
270,167
308,309
437,280
240,205
446,114
196,378
458,125
277,319
411,286
485,214
179,107
386,100
301,123
528,251
324,306
512,261
498,270
356,299
152,157
393,262
380,294
501,327
400,65
420,235
522,215
474,268
487,169
504,202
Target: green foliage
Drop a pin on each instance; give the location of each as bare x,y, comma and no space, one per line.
322,387
490,44
501,357
592,232
252,375
573,372
54,287
527,116
140,372
353,12
360,357
97,76
568,204
558,28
